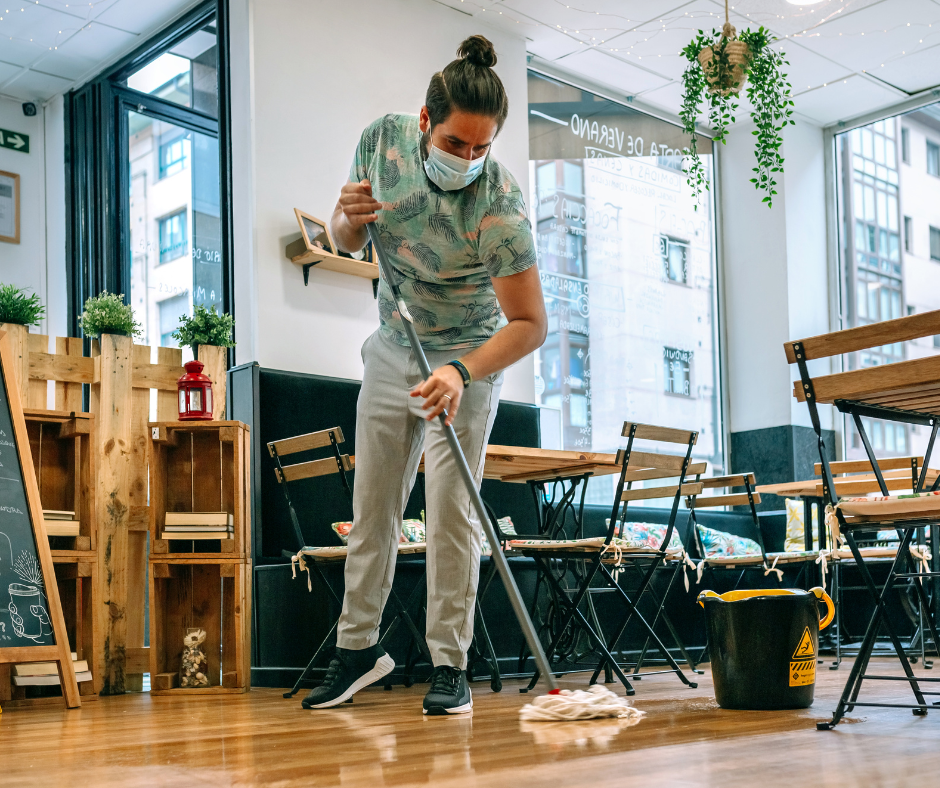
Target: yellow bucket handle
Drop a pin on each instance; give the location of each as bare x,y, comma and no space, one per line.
830,606
819,592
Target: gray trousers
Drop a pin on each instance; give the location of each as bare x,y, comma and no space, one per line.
391,434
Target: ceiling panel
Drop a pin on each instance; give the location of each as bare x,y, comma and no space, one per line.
551,45
596,18
8,70
143,17
785,19
808,70
877,34
606,68
19,52
79,55
28,22
35,86
844,99
913,73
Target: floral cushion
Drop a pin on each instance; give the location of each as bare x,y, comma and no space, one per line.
648,535
892,505
415,532
795,541
719,544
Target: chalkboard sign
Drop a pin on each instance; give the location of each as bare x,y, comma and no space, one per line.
32,628
24,609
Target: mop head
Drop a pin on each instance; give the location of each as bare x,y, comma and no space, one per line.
595,702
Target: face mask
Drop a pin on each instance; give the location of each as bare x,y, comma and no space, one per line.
451,172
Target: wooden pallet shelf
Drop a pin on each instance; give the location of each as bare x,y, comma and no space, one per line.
199,467
185,594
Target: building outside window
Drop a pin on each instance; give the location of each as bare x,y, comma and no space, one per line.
677,371
615,225
934,243
675,255
876,195
171,309
174,156
905,145
933,158
173,236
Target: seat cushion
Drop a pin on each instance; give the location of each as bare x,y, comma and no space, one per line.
649,534
892,506
414,532
719,544
590,545
795,541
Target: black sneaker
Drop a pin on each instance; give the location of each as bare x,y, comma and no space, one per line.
449,693
348,673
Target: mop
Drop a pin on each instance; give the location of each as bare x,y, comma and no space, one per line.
558,704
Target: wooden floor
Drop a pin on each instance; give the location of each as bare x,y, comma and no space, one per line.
382,739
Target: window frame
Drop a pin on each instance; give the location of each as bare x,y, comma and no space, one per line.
96,120
834,230
722,415
933,148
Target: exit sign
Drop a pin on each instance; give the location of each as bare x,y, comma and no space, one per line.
14,140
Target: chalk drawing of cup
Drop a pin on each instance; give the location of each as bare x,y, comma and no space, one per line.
29,597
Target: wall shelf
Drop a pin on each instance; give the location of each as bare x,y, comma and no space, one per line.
298,254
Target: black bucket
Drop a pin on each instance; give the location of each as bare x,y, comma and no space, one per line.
763,646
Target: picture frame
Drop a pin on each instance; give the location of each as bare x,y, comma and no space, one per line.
313,230
9,207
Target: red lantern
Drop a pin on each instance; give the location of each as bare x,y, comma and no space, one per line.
195,393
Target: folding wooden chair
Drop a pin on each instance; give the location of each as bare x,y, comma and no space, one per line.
768,562
855,478
314,559
906,392
602,557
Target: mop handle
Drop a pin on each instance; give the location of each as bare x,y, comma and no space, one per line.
502,566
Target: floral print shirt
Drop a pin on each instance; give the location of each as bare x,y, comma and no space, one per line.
444,247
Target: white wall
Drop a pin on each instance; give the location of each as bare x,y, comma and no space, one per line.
775,275
38,261
300,102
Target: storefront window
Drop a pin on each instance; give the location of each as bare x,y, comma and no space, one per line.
628,272
879,193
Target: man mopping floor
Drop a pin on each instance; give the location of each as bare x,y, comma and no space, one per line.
452,220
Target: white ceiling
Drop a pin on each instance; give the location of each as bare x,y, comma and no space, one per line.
846,57
48,46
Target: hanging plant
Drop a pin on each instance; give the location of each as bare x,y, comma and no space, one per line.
205,327
108,314
17,307
720,66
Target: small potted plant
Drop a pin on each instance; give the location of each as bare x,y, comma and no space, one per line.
108,314
205,327
209,333
18,308
720,66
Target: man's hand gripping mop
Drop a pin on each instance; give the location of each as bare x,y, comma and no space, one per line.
558,704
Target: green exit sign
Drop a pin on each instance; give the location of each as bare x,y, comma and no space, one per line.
14,140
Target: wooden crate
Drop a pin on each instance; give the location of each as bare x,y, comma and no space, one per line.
199,467
61,444
214,595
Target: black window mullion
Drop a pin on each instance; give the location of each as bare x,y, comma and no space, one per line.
161,109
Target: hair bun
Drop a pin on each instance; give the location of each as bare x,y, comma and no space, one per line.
478,50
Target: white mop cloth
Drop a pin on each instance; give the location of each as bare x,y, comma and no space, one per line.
593,703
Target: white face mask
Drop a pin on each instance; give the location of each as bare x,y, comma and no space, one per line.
451,172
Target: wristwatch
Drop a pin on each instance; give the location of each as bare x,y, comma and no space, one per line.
464,373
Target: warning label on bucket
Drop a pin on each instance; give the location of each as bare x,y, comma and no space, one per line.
803,662
802,672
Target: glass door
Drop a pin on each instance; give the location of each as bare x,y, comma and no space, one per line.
173,223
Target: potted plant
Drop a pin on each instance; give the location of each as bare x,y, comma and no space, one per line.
108,314
205,327
209,333
720,66
18,308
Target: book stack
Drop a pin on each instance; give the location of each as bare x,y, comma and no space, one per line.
43,674
199,525
60,523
